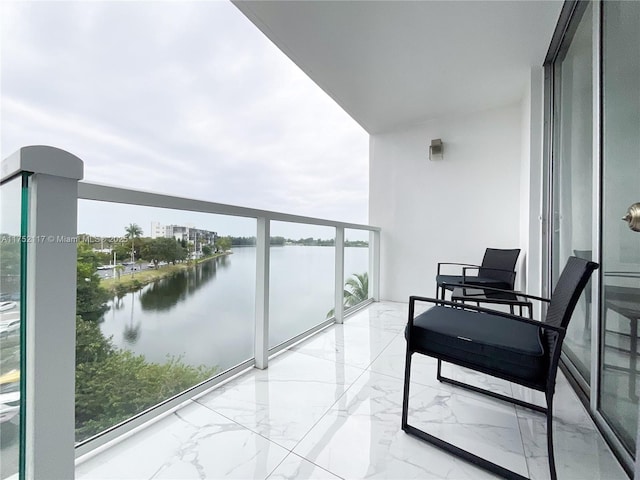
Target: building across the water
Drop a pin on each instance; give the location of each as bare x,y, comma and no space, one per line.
188,233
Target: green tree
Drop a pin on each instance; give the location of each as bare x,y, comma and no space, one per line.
122,251
222,244
206,250
163,249
133,232
118,270
113,385
90,296
356,291
278,241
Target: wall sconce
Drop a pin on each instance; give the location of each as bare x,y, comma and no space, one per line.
435,149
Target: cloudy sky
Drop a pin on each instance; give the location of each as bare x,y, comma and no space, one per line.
182,98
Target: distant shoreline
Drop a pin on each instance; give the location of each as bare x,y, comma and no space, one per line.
134,281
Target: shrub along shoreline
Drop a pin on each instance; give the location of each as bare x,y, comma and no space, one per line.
133,282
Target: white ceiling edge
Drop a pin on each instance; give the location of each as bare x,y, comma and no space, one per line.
395,63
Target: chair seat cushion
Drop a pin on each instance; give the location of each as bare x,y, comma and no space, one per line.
450,281
496,345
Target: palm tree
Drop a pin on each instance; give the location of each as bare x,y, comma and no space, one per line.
118,269
133,231
358,291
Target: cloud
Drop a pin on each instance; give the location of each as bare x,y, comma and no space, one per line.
185,98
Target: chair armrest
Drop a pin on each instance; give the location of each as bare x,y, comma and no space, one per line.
502,290
458,264
462,306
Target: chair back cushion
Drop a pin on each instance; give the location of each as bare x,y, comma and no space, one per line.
567,291
495,258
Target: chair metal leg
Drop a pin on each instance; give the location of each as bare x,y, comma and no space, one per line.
552,461
489,393
405,397
446,446
464,454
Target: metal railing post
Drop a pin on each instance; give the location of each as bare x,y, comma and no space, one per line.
338,312
374,265
261,352
50,330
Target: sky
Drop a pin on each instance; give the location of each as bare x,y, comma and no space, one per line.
182,98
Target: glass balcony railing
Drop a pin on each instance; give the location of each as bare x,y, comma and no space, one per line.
13,241
155,298
302,272
163,305
356,267
176,295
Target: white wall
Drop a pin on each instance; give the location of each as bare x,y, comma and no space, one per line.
449,209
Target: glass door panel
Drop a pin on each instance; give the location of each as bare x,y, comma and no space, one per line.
620,306
573,174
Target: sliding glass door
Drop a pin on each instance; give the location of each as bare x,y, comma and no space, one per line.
573,173
620,295
595,198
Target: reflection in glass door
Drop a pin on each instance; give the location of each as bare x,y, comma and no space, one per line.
573,174
620,305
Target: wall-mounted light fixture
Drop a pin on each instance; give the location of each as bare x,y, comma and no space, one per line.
435,149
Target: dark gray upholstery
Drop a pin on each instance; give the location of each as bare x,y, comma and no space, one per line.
515,348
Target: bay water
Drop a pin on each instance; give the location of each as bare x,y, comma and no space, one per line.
206,315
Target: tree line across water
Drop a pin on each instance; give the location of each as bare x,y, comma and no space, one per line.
307,242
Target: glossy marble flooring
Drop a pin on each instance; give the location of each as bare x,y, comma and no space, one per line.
329,408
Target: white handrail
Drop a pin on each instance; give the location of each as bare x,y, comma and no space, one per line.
106,193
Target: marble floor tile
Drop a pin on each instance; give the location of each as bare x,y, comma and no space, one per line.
392,361
580,452
193,442
284,401
295,467
388,316
483,426
423,371
567,408
353,344
361,437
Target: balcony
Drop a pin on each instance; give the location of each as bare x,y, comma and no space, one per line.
329,407
265,298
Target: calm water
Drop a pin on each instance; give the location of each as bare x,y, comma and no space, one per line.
206,315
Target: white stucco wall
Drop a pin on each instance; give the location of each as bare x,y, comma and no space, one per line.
449,209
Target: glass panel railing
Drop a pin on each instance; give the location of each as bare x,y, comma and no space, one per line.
301,279
165,302
13,241
356,267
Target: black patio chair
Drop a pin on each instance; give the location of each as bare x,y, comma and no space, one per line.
496,271
514,348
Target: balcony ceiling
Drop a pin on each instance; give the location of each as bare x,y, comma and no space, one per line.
396,63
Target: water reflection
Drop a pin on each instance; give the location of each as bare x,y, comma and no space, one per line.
131,332
168,292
